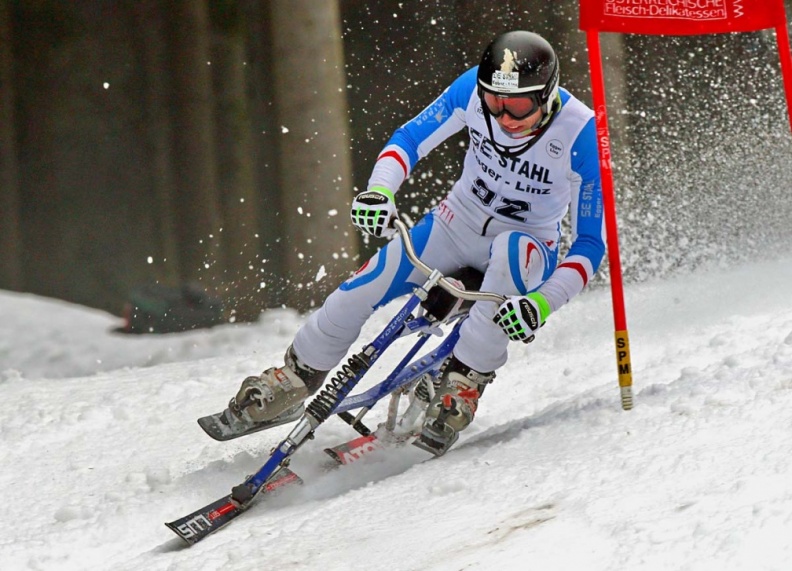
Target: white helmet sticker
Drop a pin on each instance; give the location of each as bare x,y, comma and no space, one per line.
509,61
507,78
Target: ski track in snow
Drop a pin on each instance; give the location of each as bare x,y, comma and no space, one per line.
100,446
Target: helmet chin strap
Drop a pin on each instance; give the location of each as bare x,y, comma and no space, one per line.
517,150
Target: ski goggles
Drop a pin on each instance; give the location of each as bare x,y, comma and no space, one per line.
517,106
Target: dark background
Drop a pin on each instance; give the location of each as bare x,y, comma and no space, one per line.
221,141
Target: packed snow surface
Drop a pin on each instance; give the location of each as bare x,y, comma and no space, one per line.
100,446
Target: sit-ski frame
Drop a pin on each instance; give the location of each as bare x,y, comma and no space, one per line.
334,397
406,374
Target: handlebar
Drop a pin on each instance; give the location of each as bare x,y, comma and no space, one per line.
404,232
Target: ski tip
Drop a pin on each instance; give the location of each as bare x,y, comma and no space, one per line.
355,449
200,524
334,455
212,427
186,541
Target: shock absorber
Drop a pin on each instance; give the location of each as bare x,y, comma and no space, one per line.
422,389
337,388
427,386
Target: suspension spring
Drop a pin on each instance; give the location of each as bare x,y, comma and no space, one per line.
422,388
323,405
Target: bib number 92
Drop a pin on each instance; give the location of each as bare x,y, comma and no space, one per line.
513,209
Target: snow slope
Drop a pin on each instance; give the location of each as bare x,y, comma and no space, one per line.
100,446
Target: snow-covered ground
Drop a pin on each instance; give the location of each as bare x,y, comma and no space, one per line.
100,446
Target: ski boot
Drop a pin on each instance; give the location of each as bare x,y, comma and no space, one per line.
453,406
271,399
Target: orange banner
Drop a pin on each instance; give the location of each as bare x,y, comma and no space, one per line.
680,17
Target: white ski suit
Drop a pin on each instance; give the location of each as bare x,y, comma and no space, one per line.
502,217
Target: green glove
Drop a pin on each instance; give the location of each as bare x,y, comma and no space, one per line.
520,317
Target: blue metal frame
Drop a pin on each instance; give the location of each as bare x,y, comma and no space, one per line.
399,326
404,373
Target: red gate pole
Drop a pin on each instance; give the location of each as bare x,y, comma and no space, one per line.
650,17
623,362
782,38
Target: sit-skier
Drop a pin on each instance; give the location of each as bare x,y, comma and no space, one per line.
532,157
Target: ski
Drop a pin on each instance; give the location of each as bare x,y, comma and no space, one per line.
368,446
355,449
201,523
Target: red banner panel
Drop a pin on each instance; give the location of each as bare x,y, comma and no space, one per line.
681,17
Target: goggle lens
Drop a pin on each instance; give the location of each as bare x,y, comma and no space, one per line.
519,107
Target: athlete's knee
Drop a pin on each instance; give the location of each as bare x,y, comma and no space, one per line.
521,257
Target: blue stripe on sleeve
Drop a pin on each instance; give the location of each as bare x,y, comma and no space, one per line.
410,135
420,237
399,285
585,162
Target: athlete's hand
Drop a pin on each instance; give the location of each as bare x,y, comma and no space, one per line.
373,211
521,317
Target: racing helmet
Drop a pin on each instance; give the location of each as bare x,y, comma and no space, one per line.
518,73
